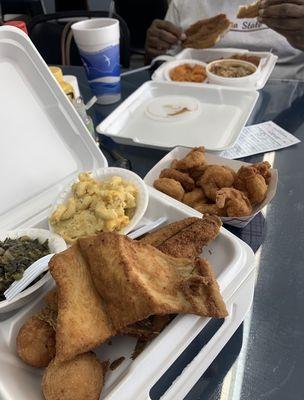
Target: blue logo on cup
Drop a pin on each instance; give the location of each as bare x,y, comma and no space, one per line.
103,70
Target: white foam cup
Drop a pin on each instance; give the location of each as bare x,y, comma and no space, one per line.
98,44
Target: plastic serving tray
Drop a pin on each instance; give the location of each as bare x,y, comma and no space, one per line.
232,261
222,114
267,63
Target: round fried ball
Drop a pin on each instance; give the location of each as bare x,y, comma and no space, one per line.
35,342
78,379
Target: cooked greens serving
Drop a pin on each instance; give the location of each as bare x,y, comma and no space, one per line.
16,255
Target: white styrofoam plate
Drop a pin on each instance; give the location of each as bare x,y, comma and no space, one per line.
180,152
266,66
232,261
218,122
43,141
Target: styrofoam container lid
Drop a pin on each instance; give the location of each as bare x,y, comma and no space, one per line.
210,115
43,143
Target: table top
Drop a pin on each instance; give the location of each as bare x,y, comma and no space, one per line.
265,357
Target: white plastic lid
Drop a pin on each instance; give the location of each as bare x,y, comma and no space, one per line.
43,142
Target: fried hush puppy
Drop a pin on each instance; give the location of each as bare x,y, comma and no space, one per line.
184,179
35,342
170,187
216,177
78,379
234,202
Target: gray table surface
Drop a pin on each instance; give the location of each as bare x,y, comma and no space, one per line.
265,357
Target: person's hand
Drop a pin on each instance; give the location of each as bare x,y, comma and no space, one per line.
285,17
161,36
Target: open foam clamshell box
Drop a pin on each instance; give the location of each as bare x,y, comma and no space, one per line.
165,115
266,66
180,152
233,264
43,147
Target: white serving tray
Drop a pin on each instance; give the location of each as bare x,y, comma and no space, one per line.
267,64
223,113
232,262
180,152
43,141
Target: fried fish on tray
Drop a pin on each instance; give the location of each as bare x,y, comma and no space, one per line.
185,238
82,323
184,179
249,11
194,159
170,187
234,202
107,282
207,32
214,178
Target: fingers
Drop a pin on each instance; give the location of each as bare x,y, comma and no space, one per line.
286,10
268,3
161,36
295,24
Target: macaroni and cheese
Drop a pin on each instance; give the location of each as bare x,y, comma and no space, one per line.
95,206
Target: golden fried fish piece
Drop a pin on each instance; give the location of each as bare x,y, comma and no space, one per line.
249,11
82,323
195,196
250,181
194,159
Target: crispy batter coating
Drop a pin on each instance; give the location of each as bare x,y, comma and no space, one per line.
250,181
194,159
148,328
197,172
216,177
205,33
211,209
235,202
195,196
190,241
51,299
183,178
263,169
170,187
35,342
78,379
249,11
82,323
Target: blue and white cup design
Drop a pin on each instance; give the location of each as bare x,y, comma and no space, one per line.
98,44
103,70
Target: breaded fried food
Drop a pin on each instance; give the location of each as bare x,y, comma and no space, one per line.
263,169
235,202
189,242
148,328
252,184
183,178
195,158
207,32
197,172
249,11
214,178
170,187
51,299
212,209
82,323
159,236
149,281
197,195
35,342
78,379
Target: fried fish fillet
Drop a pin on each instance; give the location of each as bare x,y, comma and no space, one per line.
82,323
187,239
207,32
250,11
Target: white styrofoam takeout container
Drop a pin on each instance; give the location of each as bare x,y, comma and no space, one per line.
216,122
101,174
266,66
180,152
43,146
55,243
233,264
